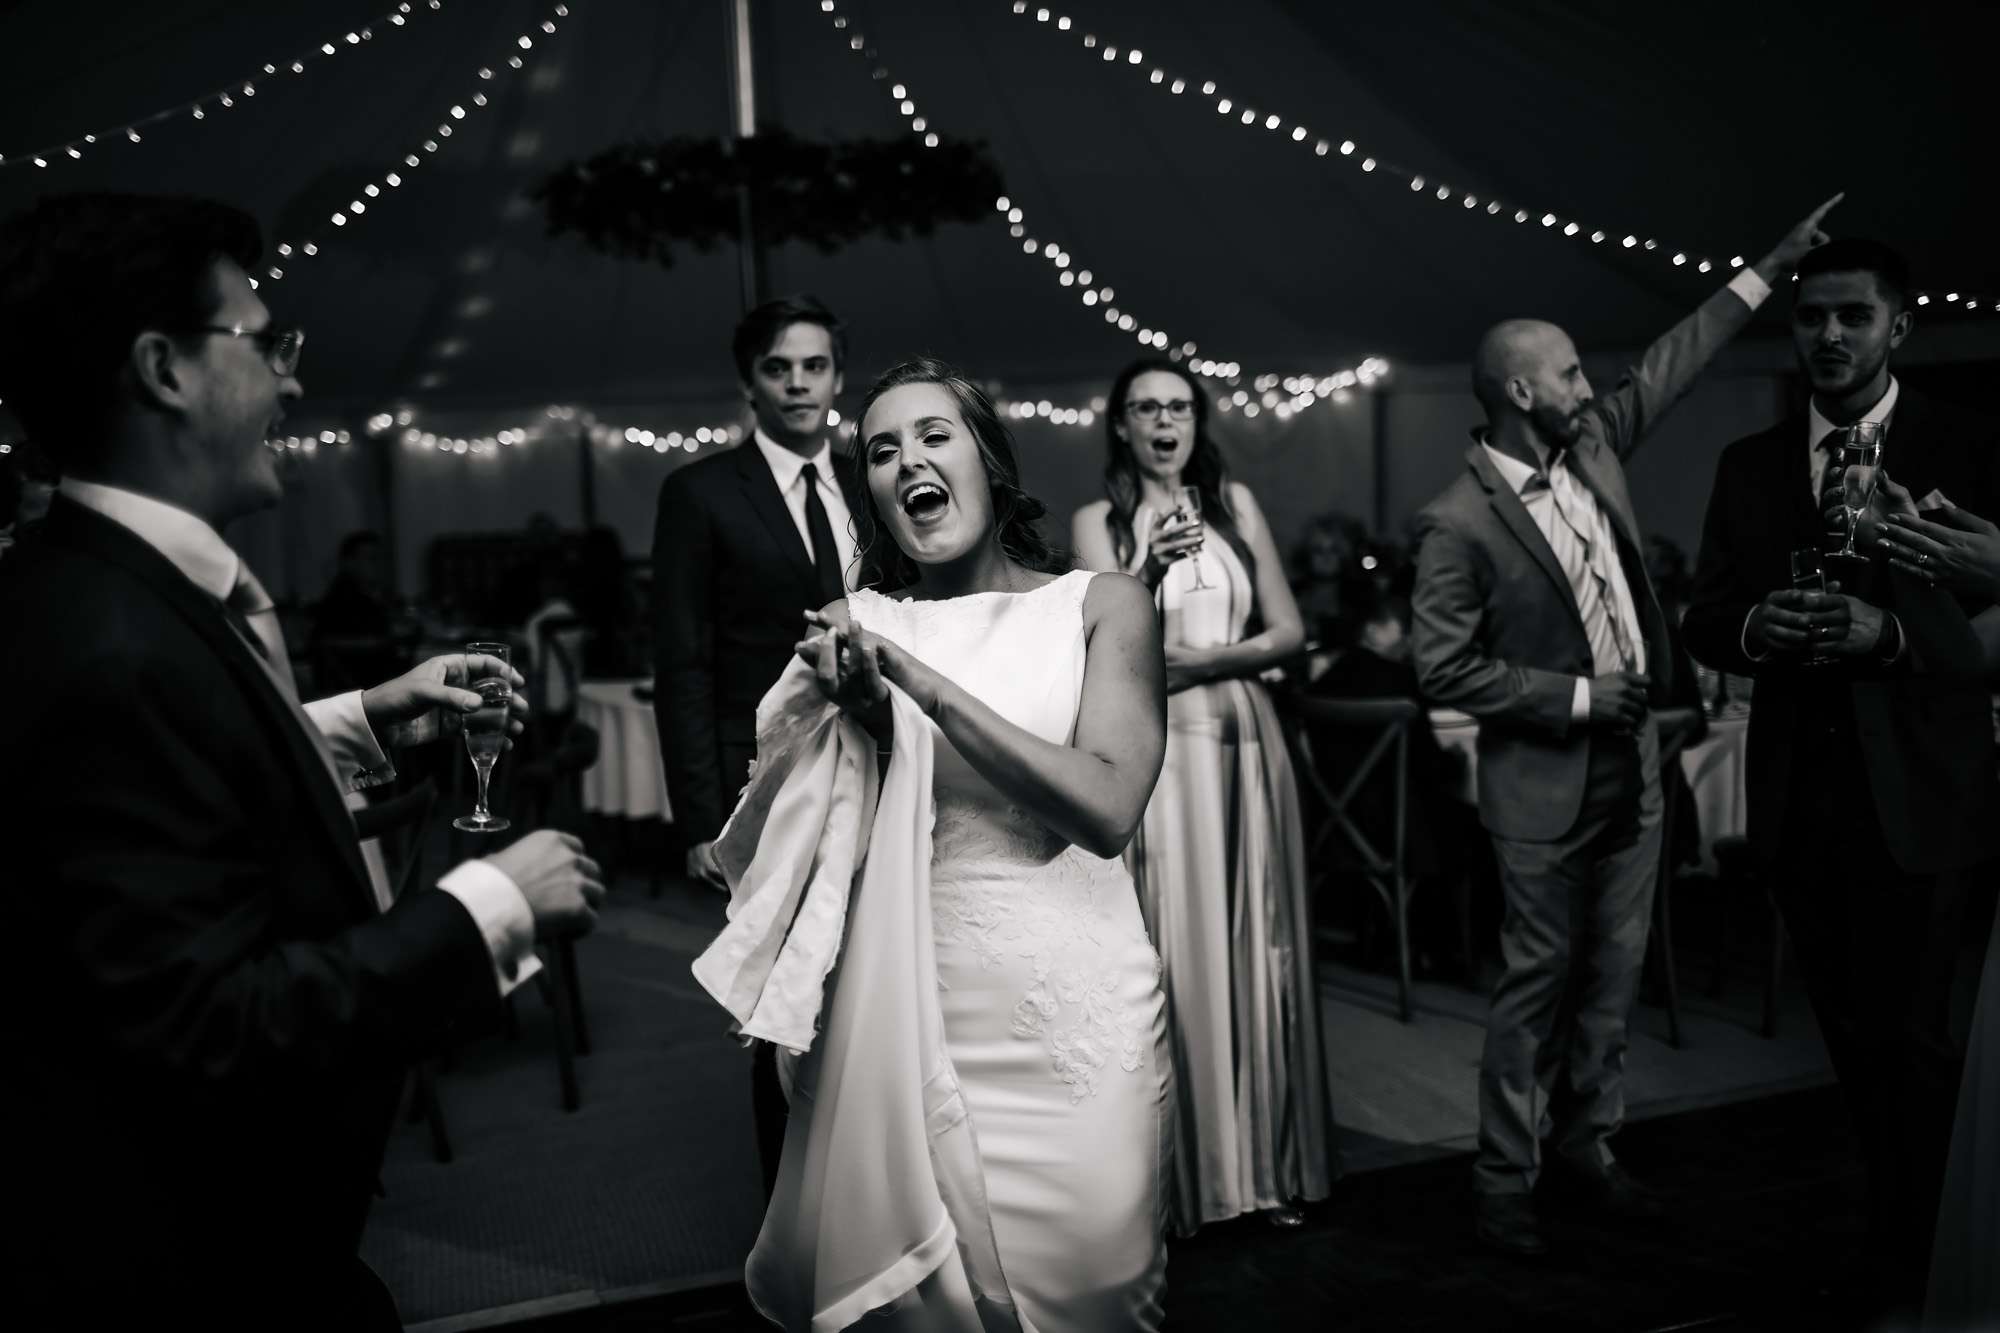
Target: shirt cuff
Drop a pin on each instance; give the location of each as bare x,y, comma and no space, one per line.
1579,702
500,910
1749,286
1743,639
357,755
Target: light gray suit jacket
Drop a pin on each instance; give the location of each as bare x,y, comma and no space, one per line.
1496,630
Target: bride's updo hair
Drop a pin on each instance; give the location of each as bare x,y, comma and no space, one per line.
884,566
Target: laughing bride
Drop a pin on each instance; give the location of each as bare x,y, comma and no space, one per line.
929,912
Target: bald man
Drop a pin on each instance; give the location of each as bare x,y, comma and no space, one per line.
1532,613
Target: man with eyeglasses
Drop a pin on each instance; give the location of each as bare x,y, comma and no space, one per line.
214,996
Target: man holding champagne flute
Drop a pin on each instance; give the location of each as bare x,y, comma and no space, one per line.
215,998
1872,797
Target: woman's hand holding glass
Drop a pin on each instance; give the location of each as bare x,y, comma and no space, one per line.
1174,535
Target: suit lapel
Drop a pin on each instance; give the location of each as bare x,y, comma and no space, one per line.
1514,515
91,532
760,488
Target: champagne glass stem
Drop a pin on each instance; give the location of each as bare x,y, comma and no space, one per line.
479,811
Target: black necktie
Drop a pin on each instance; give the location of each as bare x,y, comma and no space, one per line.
826,556
1831,486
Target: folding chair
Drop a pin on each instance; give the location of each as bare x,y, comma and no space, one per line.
1390,720
403,820
549,797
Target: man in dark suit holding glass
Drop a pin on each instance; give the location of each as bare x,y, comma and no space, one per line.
1871,781
214,997
745,543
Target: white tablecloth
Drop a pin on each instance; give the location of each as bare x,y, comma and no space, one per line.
1714,769
628,778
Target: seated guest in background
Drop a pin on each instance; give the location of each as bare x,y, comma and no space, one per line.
549,677
1438,826
1871,787
352,623
1321,563
1221,842
1533,613
215,1001
746,541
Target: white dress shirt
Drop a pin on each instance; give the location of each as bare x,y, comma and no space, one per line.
1594,522
788,469
495,902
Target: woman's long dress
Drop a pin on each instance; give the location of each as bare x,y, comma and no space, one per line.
1965,1260
1220,866
1050,990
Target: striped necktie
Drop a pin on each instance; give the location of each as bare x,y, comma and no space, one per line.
1582,557
255,617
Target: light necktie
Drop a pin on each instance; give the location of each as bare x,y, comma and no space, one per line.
1582,559
255,617
825,555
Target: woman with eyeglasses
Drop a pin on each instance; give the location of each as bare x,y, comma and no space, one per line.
1219,860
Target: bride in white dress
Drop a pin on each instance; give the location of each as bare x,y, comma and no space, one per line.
1041,696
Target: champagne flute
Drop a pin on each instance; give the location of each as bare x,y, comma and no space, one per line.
1861,447
1809,575
1190,509
486,736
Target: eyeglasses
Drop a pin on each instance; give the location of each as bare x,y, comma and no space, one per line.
281,347
1149,409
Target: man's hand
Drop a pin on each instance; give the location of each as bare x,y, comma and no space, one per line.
1791,621
430,700
1857,628
1787,253
703,868
564,888
1618,700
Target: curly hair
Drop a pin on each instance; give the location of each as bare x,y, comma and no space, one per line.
1205,470
884,565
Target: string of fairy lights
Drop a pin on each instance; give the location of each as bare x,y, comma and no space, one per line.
238,92
1132,62
374,191
1301,391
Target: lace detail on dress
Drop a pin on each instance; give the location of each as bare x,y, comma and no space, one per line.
1043,911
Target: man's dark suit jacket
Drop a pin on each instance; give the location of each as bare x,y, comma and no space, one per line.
210,1018
732,581
1495,628
1925,726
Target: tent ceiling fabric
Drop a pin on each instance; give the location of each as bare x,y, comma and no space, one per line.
1712,125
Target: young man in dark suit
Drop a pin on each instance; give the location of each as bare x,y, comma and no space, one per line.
1871,782
1533,613
214,1000
746,542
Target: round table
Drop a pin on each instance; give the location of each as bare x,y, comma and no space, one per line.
628,780
1714,769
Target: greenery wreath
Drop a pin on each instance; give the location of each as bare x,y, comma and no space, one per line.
640,200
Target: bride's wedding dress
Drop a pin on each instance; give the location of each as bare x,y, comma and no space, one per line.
1045,1103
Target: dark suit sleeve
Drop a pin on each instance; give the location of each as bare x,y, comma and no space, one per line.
1453,668
1721,597
684,657
1668,370
166,896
